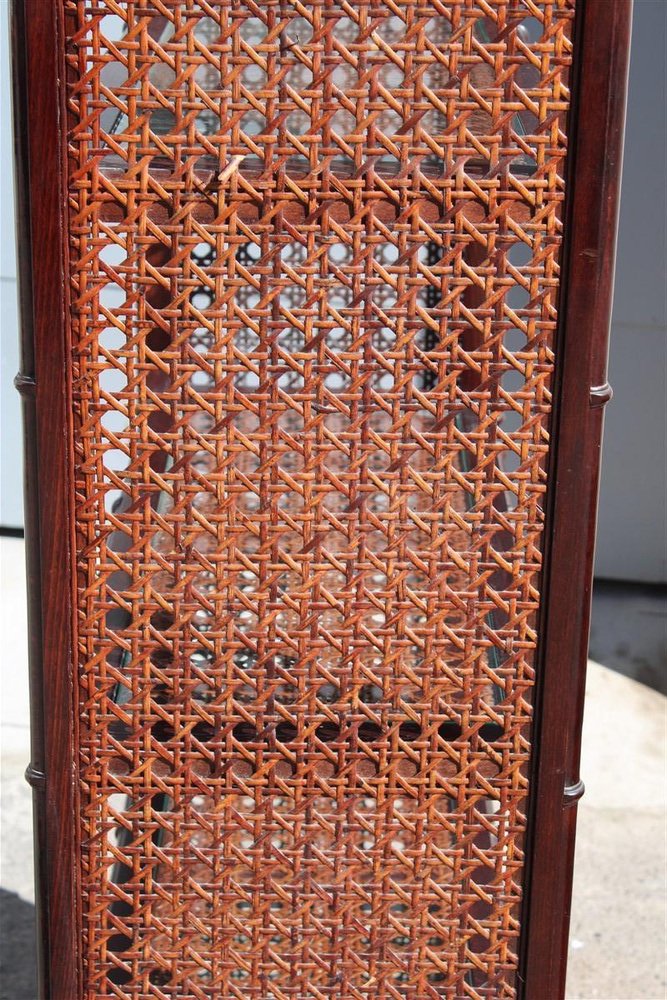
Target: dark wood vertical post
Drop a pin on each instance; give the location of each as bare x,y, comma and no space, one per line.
601,61
39,137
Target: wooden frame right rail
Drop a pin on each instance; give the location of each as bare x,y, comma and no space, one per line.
601,65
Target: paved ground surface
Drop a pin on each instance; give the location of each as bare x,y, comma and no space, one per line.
617,946
17,912
617,933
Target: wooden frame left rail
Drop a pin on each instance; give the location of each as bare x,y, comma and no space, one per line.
40,149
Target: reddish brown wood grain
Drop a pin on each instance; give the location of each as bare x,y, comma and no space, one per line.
601,58
43,382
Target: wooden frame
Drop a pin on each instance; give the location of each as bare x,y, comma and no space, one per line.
602,63
35,33
594,172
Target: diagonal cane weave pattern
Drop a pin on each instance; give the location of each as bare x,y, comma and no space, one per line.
314,258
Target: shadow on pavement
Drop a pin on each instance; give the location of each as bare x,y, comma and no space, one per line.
18,979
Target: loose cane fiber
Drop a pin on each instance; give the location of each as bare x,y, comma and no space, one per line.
314,258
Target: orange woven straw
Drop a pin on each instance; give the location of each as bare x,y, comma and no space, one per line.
314,258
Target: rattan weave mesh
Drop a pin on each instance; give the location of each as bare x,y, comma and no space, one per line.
314,275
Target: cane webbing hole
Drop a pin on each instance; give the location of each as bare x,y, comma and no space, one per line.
531,29
520,254
119,943
410,732
286,732
119,977
162,731
113,27
369,732
328,694
328,732
245,733
511,422
370,694
450,731
158,339
490,732
159,977
162,620
203,732
117,619
524,165
513,381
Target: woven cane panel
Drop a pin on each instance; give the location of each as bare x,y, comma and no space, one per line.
314,275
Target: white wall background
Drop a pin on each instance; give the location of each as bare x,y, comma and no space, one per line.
11,445
632,526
